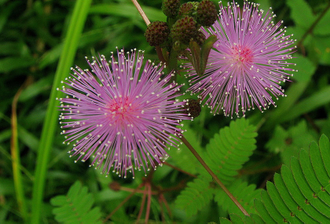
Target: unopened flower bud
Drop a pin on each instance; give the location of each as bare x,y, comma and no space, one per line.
184,30
193,108
206,13
157,33
171,7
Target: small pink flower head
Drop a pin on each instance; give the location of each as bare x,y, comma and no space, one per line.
248,61
121,113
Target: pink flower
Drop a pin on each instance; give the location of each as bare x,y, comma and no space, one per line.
248,62
121,113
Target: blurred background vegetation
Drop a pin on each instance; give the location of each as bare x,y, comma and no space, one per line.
32,34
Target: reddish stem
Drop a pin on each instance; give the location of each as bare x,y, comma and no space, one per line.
178,169
122,203
223,187
142,203
148,205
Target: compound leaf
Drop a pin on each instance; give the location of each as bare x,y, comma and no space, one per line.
75,207
300,194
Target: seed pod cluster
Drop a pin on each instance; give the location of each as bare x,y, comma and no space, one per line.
183,23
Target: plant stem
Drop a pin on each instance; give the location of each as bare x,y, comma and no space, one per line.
223,187
180,170
122,203
142,13
71,41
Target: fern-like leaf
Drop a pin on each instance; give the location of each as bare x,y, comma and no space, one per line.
236,219
195,196
230,149
245,195
75,207
225,155
300,194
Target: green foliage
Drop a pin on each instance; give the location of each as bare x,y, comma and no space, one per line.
195,196
236,219
289,142
75,207
230,149
300,194
31,43
183,158
244,193
225,154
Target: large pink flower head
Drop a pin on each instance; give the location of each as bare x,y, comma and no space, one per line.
121,113
248,61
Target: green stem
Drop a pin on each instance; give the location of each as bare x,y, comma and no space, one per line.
66,60
216,179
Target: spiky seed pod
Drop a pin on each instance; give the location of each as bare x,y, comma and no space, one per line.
157,33
184,29
171,7
188,9
206,13
193,108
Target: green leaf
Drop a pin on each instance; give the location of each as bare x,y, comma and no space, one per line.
195,196
304,66
324,146
290,142
301,13
316,159
300,194
280,205
322,27
14,48
294,212
319,98
235,219
36,88
11,63
230,149
128,11
298,197
321,48
244,193
264,214
76,206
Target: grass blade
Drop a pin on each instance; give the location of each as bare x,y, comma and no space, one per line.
70,46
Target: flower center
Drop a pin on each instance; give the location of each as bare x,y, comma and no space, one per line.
121,110
242,55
